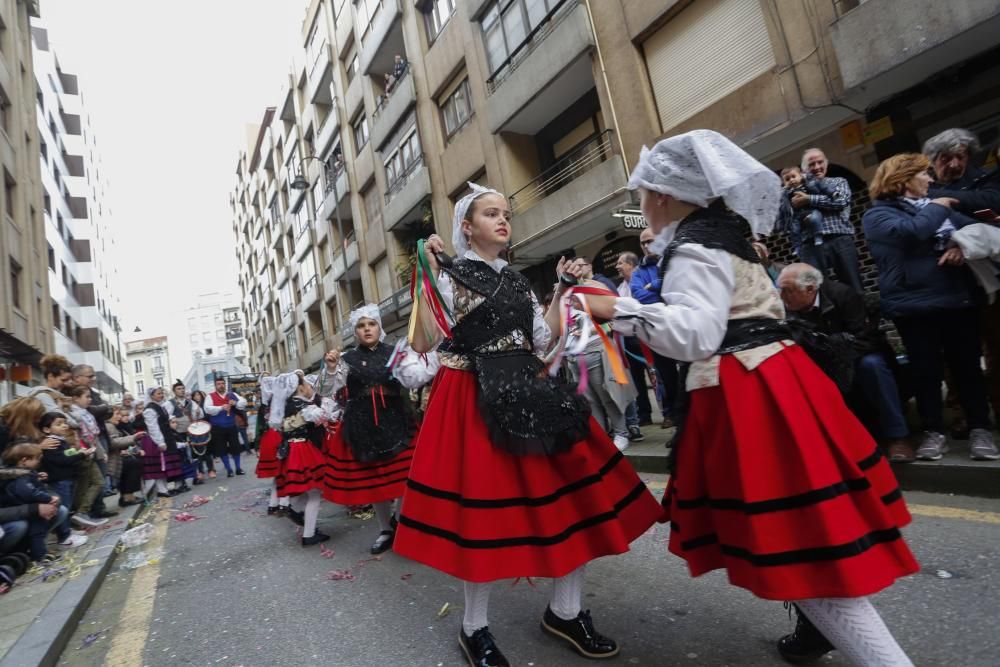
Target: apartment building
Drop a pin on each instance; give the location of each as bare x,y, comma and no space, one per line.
25,315
394,105
148,364
80,242
216,338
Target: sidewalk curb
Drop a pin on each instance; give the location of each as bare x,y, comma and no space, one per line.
44,642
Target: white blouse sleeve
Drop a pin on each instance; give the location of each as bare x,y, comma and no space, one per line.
691,322
335,381
447,290
415,370
153,426
541,335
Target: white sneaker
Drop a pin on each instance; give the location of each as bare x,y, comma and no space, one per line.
86,520
73,541
621,442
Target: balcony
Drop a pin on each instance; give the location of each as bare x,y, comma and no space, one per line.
345,258
287,319
354,96
310,295
384,39
270,340
570,203
303,242
346,332
405,196
879,55
396,307
337,191
281,276
548,70
391,110
364,166
320,77
328,132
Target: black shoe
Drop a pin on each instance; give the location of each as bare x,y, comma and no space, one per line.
240,472
229,473
315,539
164,495
481,650
196,482
635,435
103,514
128,503
383,542
580,634
805,644
298,518
272,510
183,488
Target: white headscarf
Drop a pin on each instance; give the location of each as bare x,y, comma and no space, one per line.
370,311
699,166
149,395
281,388
266,386
458,239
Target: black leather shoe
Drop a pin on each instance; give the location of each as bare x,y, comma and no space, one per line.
229,473
240,472
805,644
164,495
315,539
383,542
580,634
481,650
104,514
273,510
198,481
635,435
298,518
184,488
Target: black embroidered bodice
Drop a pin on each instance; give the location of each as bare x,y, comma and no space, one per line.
525,410
163,419
713,227
378,421
299,429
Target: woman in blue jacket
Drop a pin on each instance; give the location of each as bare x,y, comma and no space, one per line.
930,296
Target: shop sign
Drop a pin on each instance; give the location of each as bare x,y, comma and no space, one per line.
632,221
878,130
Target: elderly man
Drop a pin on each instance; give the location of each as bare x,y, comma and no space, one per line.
639,412
835,309
974,188
834,243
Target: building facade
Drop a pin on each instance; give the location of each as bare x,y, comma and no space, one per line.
80,241
217,341
394,105
148,364
25,312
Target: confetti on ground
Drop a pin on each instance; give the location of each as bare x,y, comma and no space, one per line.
91,638
326,552
107,526
943,574
407,576
186,516
445,610
340,575
197,501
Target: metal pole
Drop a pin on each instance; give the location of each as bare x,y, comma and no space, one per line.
340,233
121,361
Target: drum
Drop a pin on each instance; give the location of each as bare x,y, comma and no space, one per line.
199,433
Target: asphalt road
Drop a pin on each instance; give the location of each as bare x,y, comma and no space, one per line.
235,588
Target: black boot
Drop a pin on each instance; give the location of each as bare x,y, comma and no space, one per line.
383,542
805,644
239,471
580,634
481,650
298,518
315,539
229,473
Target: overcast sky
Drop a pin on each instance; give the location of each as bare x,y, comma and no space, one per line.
170,87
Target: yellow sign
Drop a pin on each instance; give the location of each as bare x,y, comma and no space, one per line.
878,130
851,136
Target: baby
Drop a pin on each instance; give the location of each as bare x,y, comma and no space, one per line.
804,224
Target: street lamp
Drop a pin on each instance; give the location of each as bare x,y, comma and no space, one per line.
121,360
300,183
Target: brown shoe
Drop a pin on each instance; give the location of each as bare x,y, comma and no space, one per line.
901,451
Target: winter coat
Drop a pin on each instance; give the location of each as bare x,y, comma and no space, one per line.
647,273
59,465
22,487
118,443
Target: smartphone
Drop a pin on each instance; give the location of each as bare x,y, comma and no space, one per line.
987,215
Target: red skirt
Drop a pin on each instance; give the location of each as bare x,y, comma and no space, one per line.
480,514
303,469
778,483
267,457
350,482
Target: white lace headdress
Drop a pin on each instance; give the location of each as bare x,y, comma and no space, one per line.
458,238
699,166
370,311
281,388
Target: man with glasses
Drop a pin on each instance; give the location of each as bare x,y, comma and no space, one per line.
645,285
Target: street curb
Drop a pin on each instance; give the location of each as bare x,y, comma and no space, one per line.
44,642
964,479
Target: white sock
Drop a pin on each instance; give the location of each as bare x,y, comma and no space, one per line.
313,498
147,486
566,593
854,627
477,604
161,486
383,512
273,500
283,501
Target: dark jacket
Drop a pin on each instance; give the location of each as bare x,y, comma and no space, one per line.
23,489
59,465
101,410
842,311
647,273
975,191
902,239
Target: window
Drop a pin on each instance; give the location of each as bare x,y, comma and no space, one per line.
56,317
436,17
192,323
504,31
351,65
157,363
15,282
207,336
300,220
194,339
403,160
4,111
52,257
140,387
360,132
307,271
367,10
9,188
138,365
292,343
285,298
218,318
373,208
457,108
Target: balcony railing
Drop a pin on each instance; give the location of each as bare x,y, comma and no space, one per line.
310,283
395,302
404,178
530,42
384,99
572,166
349,238
331,174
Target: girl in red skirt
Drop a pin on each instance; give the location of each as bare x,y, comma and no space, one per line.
511,477
368,457
300,415
775,480
267,450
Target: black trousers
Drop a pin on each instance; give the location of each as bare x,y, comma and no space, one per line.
667,370
946,337
131,478
638,371
225,441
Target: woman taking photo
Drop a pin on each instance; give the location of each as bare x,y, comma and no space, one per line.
124,460
930,297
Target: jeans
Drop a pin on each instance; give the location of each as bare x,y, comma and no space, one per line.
65,490
39,528
837,253
945,337
641,408
12,534
878,385
632,414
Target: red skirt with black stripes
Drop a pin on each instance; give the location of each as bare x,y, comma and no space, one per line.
351,482
267,457
778,483
303,469
478,513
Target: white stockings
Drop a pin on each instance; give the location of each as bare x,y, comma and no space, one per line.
383,512
854,627
308,504
148,484
565,603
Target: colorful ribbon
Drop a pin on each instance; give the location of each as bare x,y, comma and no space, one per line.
423,288
554,359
